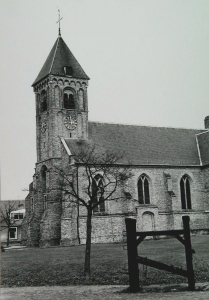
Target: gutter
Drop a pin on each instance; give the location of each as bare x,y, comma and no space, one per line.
79,240
54,55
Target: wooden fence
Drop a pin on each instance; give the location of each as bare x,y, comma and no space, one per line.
134,259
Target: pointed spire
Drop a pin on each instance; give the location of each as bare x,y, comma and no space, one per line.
59,30
60,57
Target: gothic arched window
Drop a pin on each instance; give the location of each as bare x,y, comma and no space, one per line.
185,193
43,101
98,193
143,190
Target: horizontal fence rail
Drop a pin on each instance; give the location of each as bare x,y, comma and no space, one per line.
161,266
163,232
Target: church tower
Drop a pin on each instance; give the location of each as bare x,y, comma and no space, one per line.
61,113
61,101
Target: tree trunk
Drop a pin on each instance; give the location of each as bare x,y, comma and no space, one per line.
88,244
8,237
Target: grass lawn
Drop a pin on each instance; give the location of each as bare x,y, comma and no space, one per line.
64,265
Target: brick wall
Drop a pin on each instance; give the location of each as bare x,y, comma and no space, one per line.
62,221
105,229
164,211
50,124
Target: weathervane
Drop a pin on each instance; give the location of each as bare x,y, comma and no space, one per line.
59,23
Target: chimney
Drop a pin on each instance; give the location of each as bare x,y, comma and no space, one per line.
207,122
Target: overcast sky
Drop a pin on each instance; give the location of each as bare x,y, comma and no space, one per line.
148,61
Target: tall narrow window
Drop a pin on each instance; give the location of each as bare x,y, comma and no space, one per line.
80,98
43,177
45,202
98,193
66,101
32,205
143,190
71,102
43,101
185,193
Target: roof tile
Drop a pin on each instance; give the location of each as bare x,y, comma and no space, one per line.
143,145
59,57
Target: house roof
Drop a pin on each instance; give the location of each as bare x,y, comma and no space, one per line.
203,143
59,57
143,145
12,204
19,211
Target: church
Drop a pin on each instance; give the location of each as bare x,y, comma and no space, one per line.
170,166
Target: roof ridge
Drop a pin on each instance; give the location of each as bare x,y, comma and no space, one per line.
206,130
54,54
155,126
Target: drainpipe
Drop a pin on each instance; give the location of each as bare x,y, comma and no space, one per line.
78,210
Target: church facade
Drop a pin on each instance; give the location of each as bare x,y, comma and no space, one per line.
170,166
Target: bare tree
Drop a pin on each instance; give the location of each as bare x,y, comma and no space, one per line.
101,178
6,219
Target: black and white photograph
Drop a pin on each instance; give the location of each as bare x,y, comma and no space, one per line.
104,149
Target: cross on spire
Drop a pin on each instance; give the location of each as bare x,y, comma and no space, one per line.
59,32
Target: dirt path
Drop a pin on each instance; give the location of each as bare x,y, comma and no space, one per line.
98,293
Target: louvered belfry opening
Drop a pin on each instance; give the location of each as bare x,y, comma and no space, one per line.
69,102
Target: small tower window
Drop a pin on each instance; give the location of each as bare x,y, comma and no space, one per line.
43,101
71,102
43,177
32,204
80,97
66,101
68,71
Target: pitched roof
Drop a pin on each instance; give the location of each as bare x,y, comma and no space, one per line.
203,143
143,145
19,211
59,57
13,205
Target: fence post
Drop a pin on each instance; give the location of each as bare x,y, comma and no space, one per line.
188,252
132,253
